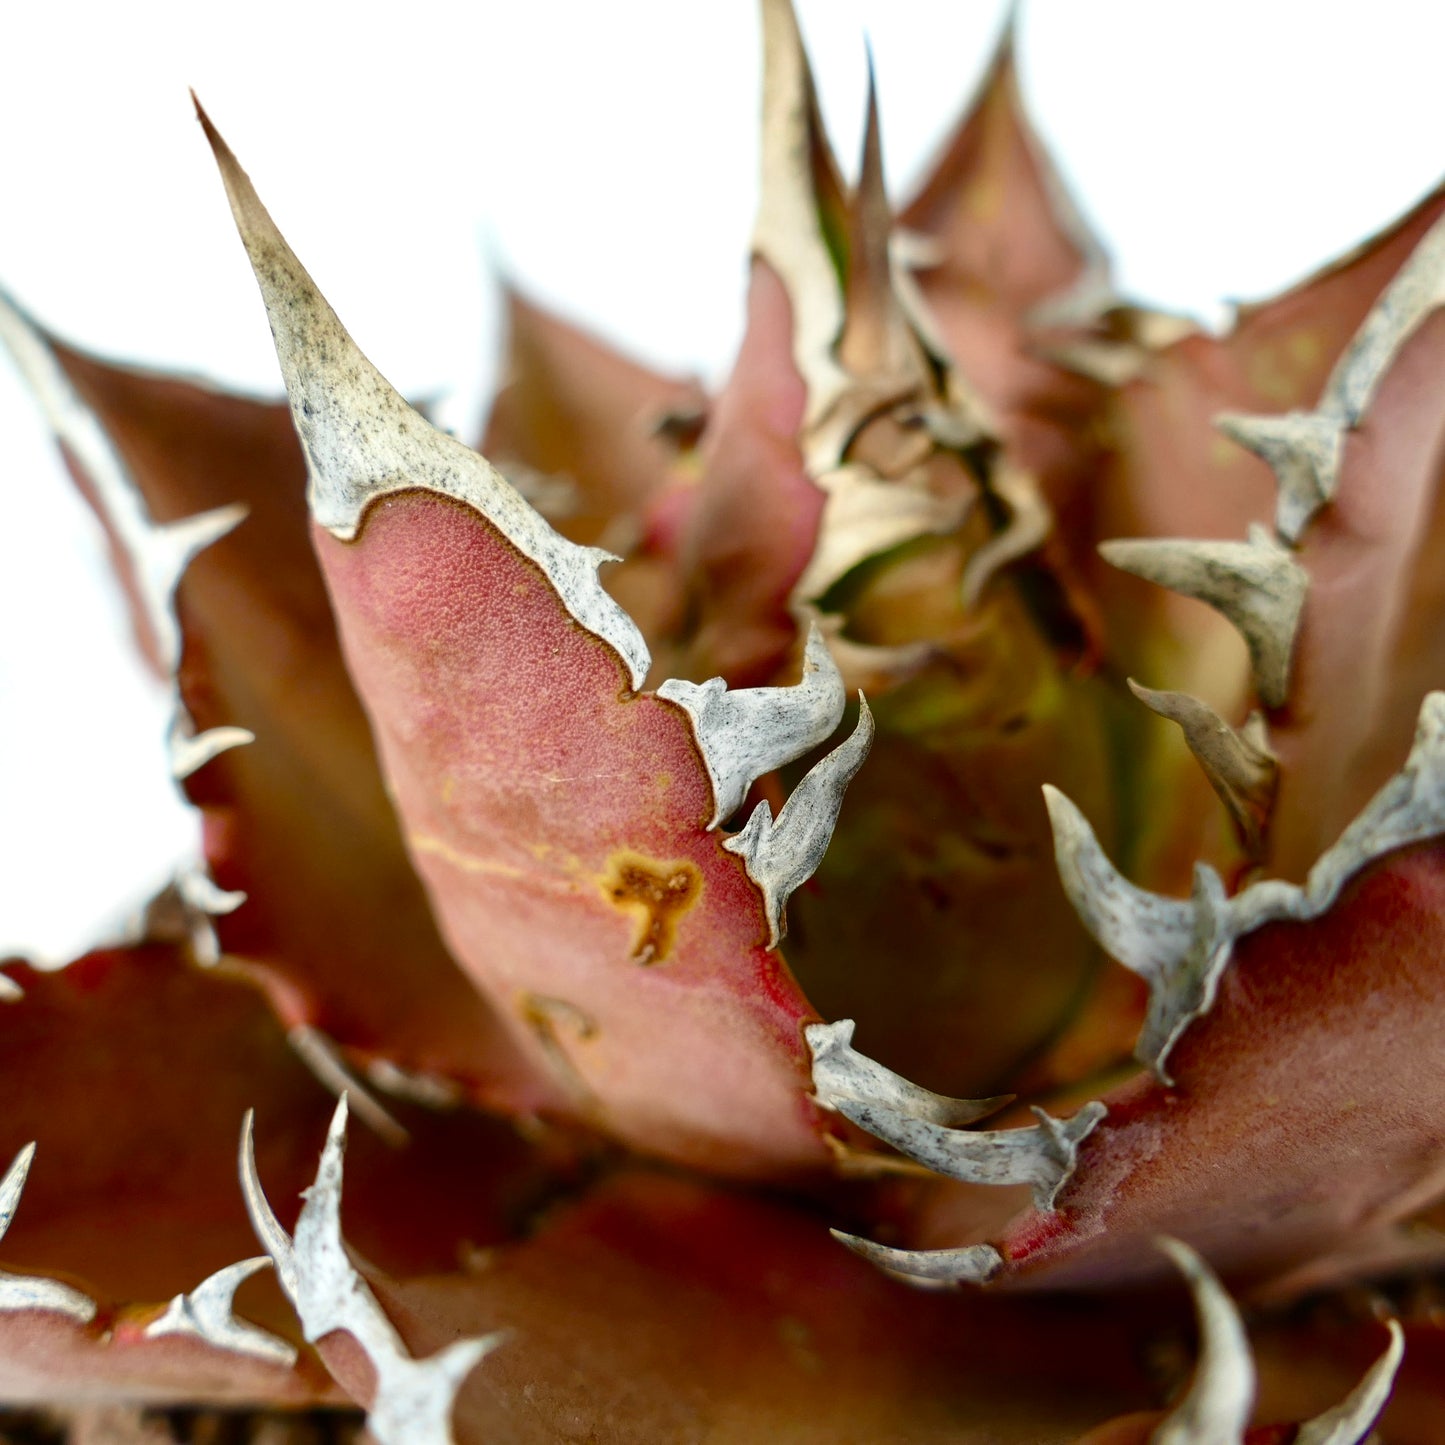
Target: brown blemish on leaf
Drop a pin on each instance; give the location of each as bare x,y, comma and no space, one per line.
658,894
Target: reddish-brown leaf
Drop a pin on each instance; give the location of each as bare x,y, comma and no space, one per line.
1307,1108
335,922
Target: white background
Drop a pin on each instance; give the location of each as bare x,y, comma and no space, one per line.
603,155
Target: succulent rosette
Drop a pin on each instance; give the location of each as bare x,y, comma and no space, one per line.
820,902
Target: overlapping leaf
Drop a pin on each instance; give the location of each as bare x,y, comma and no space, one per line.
559,818
335,922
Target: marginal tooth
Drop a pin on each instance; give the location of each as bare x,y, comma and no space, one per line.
926,1126
1179,949
412,1400
1112,363
1042,1155
1239,765
182,913
175,545
1352,1419
362,441
1188,991
159,553
77,429
320,1054
841,1074
190,751
431,1091
1030,519
206,1312
744,734
19,1292
274,1240
801,198
1182,949
973,1264
1256,584
199,889
1145,932
1417,290
13,1185
10,992
1216,1408
1303,449
1409,809
781,856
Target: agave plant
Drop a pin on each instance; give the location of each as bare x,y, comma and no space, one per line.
962,862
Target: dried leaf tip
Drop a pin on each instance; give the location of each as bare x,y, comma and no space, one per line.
801,206
1179,948
746,733
780,856
21,1292
873,324
363,441
412,1399
1256,584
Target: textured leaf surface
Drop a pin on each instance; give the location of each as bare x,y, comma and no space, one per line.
558,817
559,821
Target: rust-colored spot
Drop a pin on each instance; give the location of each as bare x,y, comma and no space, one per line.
658,894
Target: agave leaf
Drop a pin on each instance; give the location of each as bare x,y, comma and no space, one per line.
999,211
560,818
1174,474
660,1308
132,1070
1345,1143
1371,620
997,249
298,822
